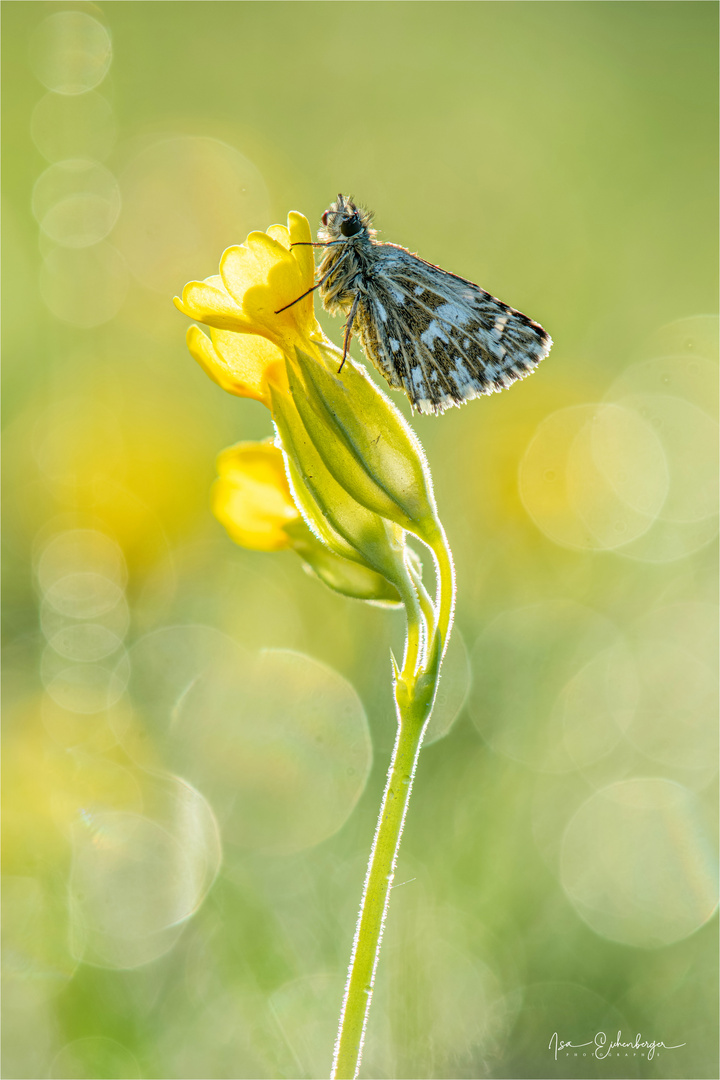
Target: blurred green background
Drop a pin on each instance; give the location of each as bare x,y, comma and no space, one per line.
187,820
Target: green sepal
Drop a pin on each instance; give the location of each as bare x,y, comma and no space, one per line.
343,576
373,453
415,694
396,670
317,522
328,508
339,456
429,675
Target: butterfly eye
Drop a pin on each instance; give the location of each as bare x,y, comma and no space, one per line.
352,226
324,218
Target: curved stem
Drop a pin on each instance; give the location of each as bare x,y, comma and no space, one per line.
376,896
414,640
445,569
407,587
426,604
414,695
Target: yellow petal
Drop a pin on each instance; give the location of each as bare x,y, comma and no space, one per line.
300,235
281,233
208,302
236,362
282,276
248,358
239,271
267,252
263,303
265,277
201,349
298,227
251,497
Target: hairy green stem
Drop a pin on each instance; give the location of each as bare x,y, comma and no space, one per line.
416,628
445,571
376,895
426,605
415,689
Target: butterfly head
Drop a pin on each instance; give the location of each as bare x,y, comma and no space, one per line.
345,221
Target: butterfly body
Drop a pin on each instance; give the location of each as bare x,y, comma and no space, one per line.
440,338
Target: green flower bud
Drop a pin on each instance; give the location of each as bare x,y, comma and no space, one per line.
370,449
349,528
343,576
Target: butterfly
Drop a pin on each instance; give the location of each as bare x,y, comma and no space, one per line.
437,336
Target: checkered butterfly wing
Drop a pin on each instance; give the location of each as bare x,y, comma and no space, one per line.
439,337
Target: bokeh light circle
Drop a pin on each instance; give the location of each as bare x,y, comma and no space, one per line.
85,641
167,662
689,438
137,878
115,620
675,649
185,200
70,52
277,741
88,784
552,685
76,202
676,394
597,704
83,687
84,595
77,551
65,127
637,863
285,752
695,339
594,477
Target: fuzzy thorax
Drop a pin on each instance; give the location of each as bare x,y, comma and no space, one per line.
347,230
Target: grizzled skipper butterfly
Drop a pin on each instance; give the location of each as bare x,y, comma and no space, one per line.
437,336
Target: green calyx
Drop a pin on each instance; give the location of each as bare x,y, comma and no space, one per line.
350,578
349,528
367,445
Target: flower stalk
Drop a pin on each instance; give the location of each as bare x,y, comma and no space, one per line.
376,894
415,690
343,483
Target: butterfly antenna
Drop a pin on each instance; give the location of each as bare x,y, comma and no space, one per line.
316,286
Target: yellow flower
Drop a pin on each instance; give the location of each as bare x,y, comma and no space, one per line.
248,339
251,496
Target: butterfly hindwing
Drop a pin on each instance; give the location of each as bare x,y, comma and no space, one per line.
441,338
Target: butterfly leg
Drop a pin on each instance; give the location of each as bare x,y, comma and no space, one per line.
348,330
316,286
